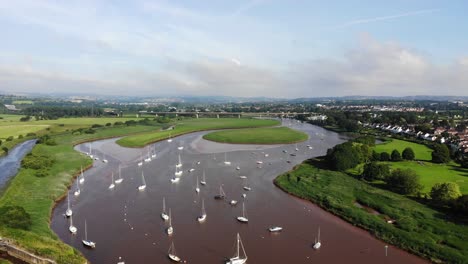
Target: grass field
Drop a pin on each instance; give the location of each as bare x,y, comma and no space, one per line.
37,195
421,152
29,102
270,135
193,125
418,229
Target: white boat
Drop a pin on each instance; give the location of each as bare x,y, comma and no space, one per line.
69,211
226,162
198,162
259,162
221,194
243,177
112,185
178,172
104,160
247,188
164,214
285,151
317,243
148,159
202,217
179,164
266,155
296,148
180,148
175,179
140,163
96,157
197,189
275,229
191,170
119,180
172,253
203,181
77,191
243,218
237,168
85,241
170,229
238,258
170,138
82,176
72,228
244,195
233,202
143,183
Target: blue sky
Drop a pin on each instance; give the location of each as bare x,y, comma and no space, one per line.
236,48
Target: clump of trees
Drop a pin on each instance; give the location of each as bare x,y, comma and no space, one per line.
396,155
15,217
37,162
441,154
375,171
408,154
403,181
384,156
445,193
347,155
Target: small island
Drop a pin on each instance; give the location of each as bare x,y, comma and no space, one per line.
268,135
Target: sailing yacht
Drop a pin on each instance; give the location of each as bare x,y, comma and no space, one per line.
178,172
226,162
69,211
119,180
141,162
243,218
170,229
77,191
296,148
202,217
197,189
175,179
164,214
90,150
275,229
104,160
179,164
203,181
153,154
238,258
180,148
85,241
170,138
317,244
237,168
172,253
148,159
112,185
72,228
143,184
82,176
221,194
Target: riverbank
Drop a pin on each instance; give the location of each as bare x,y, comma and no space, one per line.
194,125
416,228
258,136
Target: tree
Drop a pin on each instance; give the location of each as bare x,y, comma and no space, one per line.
15,217
396,155
408,154
461,205
375,171
446,192
441,154
5,149
404,181
375,156
384,156
343,156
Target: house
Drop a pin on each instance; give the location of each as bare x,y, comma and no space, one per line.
11,108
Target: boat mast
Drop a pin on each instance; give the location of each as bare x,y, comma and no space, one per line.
85,230
164,205
143,178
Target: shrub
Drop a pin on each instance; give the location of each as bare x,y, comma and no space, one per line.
408,154
375,171
15,217
461,205
375,156
41,173
89,131
20,136
30,134
96,126
36,162
396,155
404,181
108,124
5,149
384,156
10,138
118,123
446,192
441,154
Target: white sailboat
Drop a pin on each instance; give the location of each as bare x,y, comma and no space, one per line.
202,217
246,186
226,162
170,229
180,147
317,243
141,162
175,179
119,180
179,164
203,181
90,151
237,168
172,253
85,241
153,154
82,176
164,214
178,172
77,191
243,218
72,228
143,183
296,148
221,194
148,159
275,229
112,185
69,211
197,189
238,258
104,160
170,138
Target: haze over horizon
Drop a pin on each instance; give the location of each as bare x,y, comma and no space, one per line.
248,48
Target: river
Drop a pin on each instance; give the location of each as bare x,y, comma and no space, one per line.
11,163
126,225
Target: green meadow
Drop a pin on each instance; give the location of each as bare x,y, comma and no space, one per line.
421,152
271,135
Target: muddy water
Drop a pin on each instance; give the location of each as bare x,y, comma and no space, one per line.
125,223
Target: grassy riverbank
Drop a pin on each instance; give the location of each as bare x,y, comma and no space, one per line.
271,135
421,152
192,125
37,195
418,228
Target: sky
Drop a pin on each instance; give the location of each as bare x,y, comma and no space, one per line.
246,48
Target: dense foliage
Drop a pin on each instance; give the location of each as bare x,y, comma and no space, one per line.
403,181
396,155
443,193
441,154
375,171
15,217
37,162
408,154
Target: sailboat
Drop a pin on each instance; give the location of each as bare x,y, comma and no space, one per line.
197,189
69,211
170,138
141,162
179,164
317,244
148,159
203,181
246,186
119,180
202,217
104,159
153,154
72,228
237,168
82,176
180,147
297,149
178,172
112,185
221,194
85,241
243,218
238,258
90,151
226,162
164,215
172,253
170,229
175,179
77,191
143,184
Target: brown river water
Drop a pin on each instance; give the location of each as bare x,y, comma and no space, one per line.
126,225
